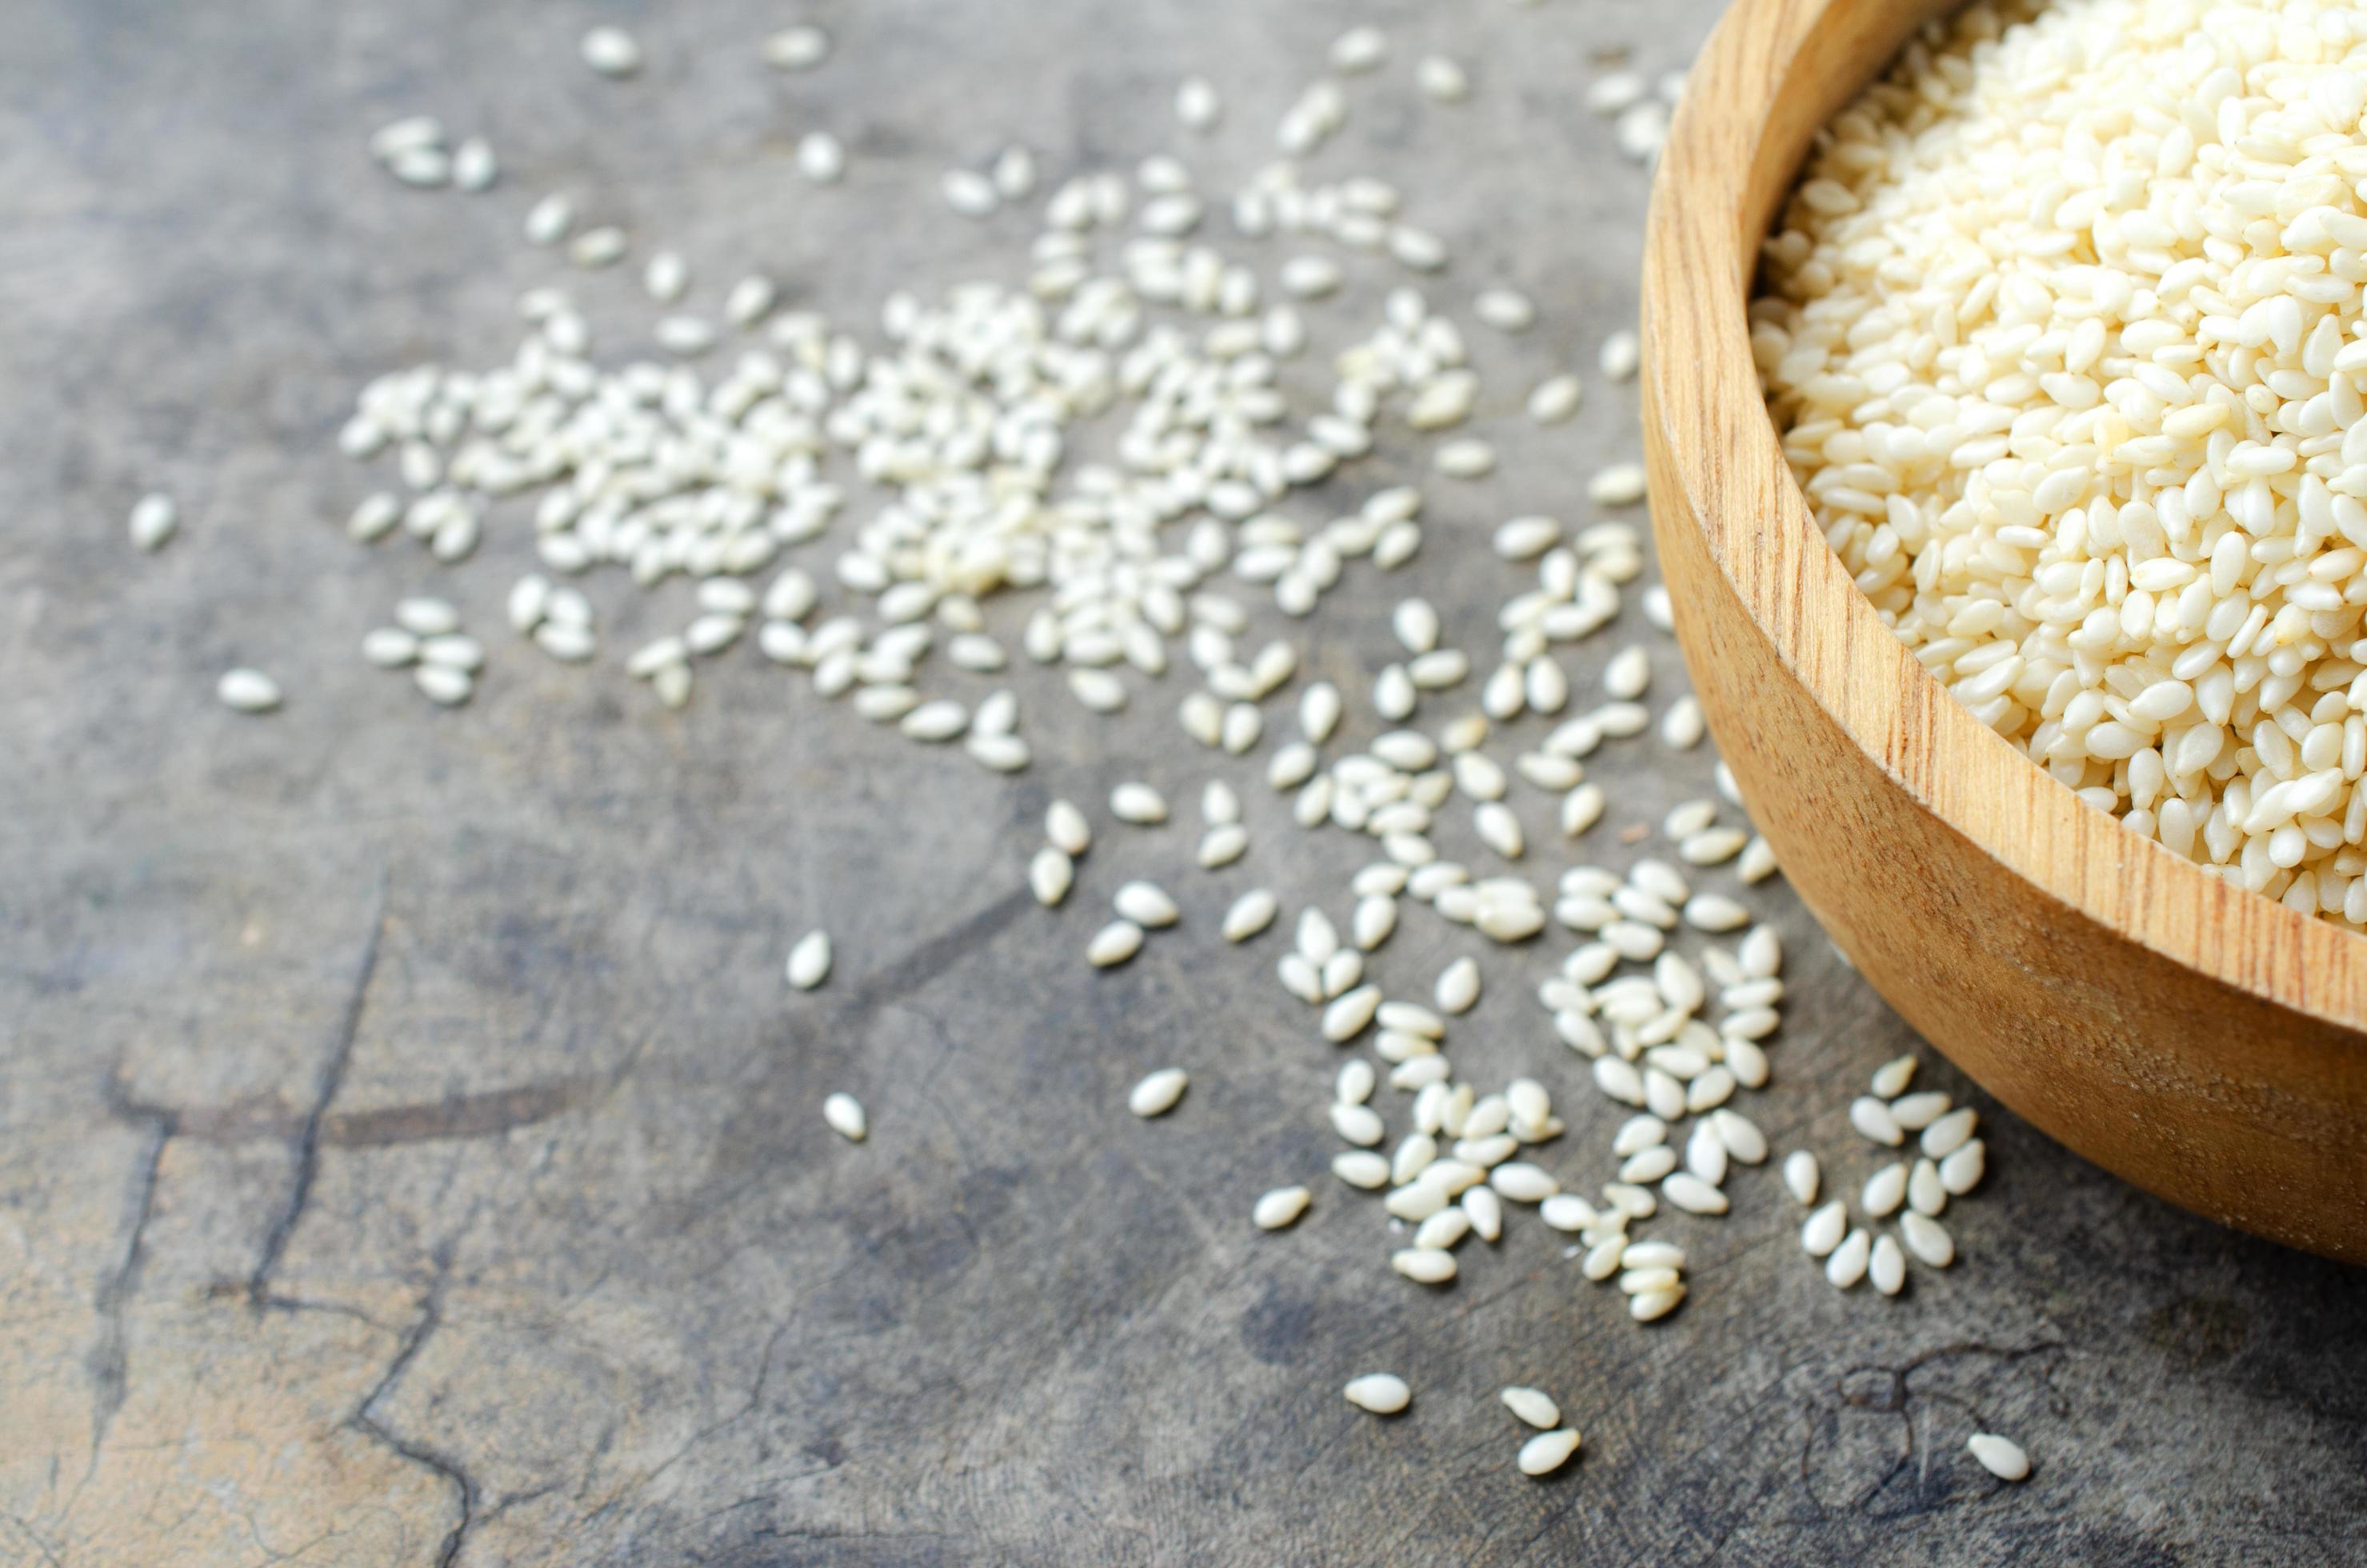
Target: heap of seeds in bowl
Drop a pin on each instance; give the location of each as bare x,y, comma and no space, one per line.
2062,335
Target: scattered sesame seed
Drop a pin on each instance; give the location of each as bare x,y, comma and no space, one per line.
247,691
2001,1457
810,959
844,1114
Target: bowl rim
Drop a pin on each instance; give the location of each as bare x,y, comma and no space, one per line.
1751,109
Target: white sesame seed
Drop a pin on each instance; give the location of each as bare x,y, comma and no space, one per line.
821,158
1349,1014
1620,484
1888,1266
969,193
1917,1112
844,1114
1691,1193
1506,310
1441,80
1962,1171
424,167
373,518
1066,826
809,960
1443,1231
154,519
1532,1406
1014,173
1051,874
666,277
611,51
1310,277
1281,1208
1113,944
454,650
1485,1211
1361,1168
1250,913
1427,1266
593,248
1890,1079
1653,1305
800,47
1927,1239
247,691
426,616
474,166
1822,1232
389,647
1222,845
1884,1190
1547,1452
1197,105
1359,49
1948,1133
1157,1094
1360,1125
1621,355
1848,1263
1382,1394
1554,399
1874,1121
1138,803
1682,726
749,301
1525,539
547,220
1801,1176
2001,1457
1146,904
405,135
1925,1194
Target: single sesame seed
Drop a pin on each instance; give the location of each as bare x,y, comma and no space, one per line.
1801,1176
809,963
1426,1266
1051,874
1157,1094
1138,803
1847,1264
1441,80
1547,1452
1281,1208
800,47
821,158
845,1116
2001,1457
1823,1231
611,51
154,519
247,691
1113,944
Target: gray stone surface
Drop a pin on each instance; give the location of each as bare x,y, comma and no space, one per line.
409,1152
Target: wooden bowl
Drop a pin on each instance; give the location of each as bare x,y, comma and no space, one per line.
2204,1042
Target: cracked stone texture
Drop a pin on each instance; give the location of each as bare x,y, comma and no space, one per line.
409,1152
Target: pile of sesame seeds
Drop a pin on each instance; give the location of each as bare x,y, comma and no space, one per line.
887,513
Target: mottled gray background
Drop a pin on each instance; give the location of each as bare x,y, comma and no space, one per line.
409,1152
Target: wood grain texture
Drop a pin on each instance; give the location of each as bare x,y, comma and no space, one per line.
2203,1041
